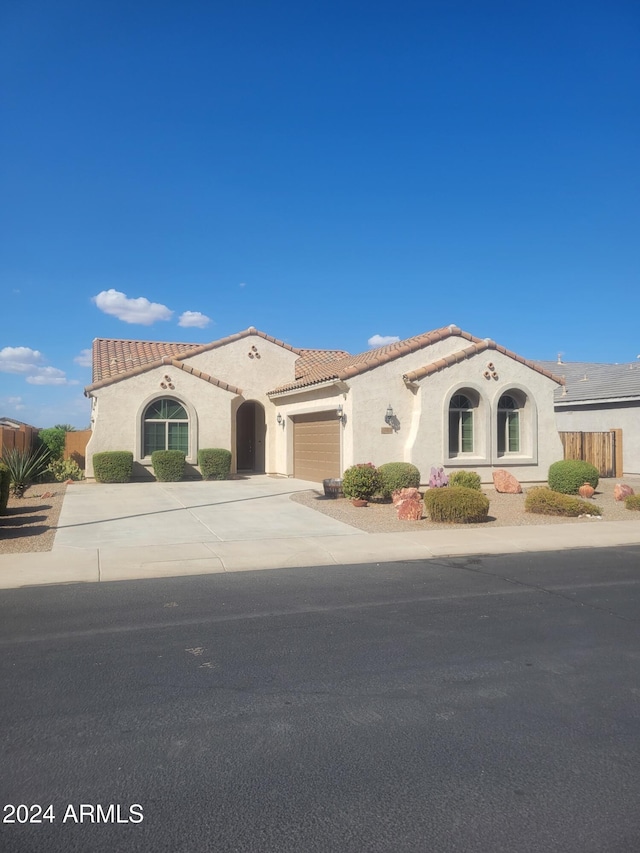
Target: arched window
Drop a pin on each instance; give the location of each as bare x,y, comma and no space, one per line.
508,424
165,427
460,425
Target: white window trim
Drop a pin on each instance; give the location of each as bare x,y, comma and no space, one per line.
528,454
481,428
192,457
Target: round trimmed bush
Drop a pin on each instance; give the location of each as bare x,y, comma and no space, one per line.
543,501
361,481
113,466
214,463
632,502
5,486
398,475
168,465
466,479
568,475
456,504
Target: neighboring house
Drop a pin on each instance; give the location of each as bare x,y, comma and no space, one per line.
598,398
441,398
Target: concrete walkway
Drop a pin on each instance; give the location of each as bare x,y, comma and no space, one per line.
147,530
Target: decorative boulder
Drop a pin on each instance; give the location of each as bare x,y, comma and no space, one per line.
404,494
410,509
586,491
621,491
506,483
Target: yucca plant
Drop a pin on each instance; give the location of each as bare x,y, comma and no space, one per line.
25,466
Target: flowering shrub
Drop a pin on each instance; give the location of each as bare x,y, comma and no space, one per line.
438,478
361,481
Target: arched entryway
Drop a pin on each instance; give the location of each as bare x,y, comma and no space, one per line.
250,433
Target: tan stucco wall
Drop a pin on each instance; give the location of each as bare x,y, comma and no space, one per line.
119,407
422,411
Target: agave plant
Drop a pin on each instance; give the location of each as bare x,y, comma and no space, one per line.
25,466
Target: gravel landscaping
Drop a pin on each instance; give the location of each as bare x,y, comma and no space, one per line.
504,511
30,522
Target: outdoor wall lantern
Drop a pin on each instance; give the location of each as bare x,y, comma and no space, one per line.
280,420
341,415
391,420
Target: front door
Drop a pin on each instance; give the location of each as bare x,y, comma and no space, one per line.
250,429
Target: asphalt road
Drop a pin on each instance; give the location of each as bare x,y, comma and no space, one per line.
475,704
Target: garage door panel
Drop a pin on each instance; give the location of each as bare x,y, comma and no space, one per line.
316,440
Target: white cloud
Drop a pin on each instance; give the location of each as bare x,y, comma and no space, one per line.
50,376
29,363
382,340
84,359
19,359
193,319
138,310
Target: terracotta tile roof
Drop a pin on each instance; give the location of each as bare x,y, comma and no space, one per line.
118,359
168,361
468,352
114,357
353,365
311,358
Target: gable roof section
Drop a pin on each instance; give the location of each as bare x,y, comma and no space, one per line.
588,381
114,360
167,361
353,365
476,347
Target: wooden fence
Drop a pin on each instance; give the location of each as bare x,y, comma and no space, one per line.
602,449
75,445
21,438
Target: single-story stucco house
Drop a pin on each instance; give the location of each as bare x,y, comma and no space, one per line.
442,398
600,397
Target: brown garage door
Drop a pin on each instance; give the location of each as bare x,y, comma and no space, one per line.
316,446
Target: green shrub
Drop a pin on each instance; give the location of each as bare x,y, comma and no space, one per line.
65,469
398,475
168,465
5,486
25,466
456,503
543,501
466,479
54,438
214,463
568,475
361,481
631,502
113,466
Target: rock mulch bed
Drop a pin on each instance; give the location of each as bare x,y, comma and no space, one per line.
504,511
29,523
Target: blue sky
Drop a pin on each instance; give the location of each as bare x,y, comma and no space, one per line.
328,172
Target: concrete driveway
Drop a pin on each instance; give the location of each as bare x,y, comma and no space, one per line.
152,514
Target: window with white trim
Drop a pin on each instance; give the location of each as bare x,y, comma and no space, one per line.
165,427
508,424
460,425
